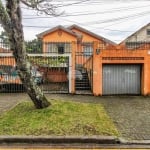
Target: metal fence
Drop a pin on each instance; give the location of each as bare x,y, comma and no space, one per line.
52,62
84,69
49,71
133,45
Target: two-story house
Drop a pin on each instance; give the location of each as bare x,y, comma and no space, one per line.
95,64
76,45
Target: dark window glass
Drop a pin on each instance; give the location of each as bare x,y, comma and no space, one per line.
148,31
60,50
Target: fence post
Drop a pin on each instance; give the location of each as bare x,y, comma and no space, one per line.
74,48
145,74
97,70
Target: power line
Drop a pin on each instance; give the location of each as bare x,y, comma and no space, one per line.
117,19
93,13
118,22
70,4
29,26
106,21
84,2
108,11
62,5
100,21
110,20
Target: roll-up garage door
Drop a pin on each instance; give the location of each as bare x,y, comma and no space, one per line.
121,79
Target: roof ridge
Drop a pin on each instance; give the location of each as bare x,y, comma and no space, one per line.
135,32
91,33
40,35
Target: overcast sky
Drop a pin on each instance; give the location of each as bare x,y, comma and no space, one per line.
113,19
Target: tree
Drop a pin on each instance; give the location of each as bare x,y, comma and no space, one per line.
33,46
11,21
4,37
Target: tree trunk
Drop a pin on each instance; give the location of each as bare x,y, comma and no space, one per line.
16,38
32,89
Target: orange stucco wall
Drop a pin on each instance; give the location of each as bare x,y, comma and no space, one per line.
76,46
121,56
59,36
109,54
86,37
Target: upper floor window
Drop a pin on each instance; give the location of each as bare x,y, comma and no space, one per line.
148,32
57,47
61,49
87,49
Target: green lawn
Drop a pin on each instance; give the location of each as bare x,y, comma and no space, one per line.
62,118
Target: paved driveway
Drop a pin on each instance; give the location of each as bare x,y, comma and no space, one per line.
130,114
9,100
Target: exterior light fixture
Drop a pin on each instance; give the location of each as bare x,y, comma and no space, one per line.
97,51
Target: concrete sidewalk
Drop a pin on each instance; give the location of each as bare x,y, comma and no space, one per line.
9,100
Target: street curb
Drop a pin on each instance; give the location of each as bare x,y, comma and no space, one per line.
88,140
137,142
59,139
134,142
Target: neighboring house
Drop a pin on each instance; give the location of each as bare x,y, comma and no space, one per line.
138,38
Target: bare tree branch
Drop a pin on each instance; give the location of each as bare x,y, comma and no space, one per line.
32,3
11,20
42,6
26,3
